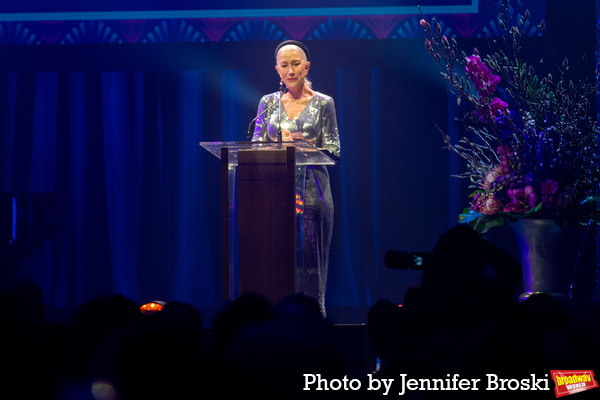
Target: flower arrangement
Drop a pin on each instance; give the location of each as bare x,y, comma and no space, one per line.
534,139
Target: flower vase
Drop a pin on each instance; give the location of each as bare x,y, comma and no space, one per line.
539,240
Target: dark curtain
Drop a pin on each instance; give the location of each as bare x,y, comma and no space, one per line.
137,199
120,152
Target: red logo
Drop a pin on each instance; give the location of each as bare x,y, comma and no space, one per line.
570,381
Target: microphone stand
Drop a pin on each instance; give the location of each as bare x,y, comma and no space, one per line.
282,91
281,88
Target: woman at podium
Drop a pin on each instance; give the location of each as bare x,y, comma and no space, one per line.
299,112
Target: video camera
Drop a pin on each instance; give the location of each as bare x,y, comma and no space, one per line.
403,260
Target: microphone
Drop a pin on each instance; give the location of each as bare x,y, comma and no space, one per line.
282,90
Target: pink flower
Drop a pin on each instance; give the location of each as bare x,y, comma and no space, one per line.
492,176
424,23
491,206
486,204
428,46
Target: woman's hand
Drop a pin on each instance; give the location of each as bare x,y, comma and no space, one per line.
286,135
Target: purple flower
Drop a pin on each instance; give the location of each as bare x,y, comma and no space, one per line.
476,203
530,196
483,78
498,108
505,159
549,195
522,200
529,178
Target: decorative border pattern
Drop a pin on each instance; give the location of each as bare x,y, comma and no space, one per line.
240,13
475,20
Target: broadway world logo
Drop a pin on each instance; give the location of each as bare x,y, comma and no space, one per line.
569,382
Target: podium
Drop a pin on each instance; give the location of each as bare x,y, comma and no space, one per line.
269,178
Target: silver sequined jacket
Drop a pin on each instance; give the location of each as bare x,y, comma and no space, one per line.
317,122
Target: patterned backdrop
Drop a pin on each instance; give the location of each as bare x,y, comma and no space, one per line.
400,22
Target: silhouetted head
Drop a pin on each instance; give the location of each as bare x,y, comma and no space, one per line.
457,258
25,301
385,328
545,312
92,322
306,302
247,310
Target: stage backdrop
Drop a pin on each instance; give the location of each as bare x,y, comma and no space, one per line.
103,106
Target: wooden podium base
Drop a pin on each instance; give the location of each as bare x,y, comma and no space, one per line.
266,210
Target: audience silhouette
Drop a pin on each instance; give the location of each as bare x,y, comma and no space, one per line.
460,320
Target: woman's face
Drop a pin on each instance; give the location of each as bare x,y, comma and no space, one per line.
292,66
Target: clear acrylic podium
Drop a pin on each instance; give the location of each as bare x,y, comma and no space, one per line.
261,255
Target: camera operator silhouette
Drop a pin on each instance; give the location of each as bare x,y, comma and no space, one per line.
447,311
